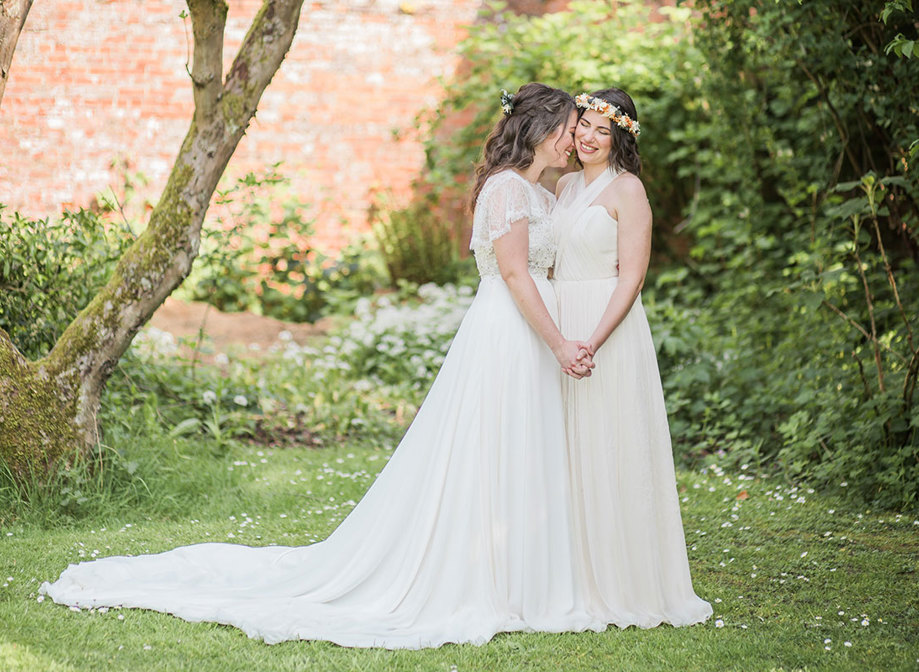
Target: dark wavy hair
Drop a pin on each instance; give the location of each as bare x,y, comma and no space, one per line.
537,111
623,153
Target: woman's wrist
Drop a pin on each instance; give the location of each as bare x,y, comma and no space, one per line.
557,345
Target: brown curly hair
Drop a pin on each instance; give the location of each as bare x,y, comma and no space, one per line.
537,111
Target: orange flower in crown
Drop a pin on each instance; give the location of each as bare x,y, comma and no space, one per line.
621,119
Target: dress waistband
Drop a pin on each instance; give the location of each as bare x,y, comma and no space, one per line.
604,277
538,273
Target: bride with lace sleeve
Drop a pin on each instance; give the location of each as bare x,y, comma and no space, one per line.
467,530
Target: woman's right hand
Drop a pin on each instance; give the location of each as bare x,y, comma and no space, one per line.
574,357
583,369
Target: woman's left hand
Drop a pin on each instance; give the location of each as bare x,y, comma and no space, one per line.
583,366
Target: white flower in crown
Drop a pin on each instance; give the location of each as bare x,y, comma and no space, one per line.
621,119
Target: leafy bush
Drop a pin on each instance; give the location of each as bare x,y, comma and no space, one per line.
257,256
389,354
417,244
810,285
386,357
777,148
50,270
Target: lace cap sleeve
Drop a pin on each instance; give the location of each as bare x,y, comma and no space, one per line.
504,199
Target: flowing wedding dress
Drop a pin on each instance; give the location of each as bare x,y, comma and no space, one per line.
632,553
465,533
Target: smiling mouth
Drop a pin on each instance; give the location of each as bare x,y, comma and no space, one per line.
587,148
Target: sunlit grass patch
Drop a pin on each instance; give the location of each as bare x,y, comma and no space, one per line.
786,594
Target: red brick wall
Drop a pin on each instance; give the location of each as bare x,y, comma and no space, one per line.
97,80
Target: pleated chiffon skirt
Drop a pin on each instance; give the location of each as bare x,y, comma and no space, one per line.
631,549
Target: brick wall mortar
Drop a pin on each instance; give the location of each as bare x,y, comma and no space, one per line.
98,80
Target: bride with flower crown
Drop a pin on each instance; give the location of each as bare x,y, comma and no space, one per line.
468,529
631,548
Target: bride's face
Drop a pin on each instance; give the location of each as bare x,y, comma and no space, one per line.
592,138
556,149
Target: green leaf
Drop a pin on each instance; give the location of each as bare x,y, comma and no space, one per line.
187,426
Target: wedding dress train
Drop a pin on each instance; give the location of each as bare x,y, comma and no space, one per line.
465,533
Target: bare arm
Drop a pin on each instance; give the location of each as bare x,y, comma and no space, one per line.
512,250
634,216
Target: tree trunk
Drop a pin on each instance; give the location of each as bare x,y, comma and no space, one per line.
13,15
48,408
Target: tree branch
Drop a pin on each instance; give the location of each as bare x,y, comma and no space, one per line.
890,277
208,21
13,15
259,58
869,303
909,382
840,127
861,330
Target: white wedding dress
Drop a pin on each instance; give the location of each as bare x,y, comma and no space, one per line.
465,533
632,552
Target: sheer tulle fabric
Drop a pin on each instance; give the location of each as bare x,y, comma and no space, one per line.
465,533
631,549
507,198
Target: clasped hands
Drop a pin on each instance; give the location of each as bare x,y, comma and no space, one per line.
577,359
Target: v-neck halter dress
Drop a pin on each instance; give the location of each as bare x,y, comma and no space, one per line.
631,551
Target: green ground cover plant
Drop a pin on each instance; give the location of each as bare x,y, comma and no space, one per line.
278,449
797,580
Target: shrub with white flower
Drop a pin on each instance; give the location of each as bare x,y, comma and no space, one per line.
152,343
399,344
382,361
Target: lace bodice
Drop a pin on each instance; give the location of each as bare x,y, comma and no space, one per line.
507,198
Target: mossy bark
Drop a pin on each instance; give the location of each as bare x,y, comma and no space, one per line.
37,412
48,408
13,15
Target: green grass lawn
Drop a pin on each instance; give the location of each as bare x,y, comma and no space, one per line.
797,580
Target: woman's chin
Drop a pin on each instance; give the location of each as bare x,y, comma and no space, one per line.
590,160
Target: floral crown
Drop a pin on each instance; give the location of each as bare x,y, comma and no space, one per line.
610,111
507,102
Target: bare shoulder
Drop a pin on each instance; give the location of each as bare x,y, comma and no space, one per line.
626,196
628,186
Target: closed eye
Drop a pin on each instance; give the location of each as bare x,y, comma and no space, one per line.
586,124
